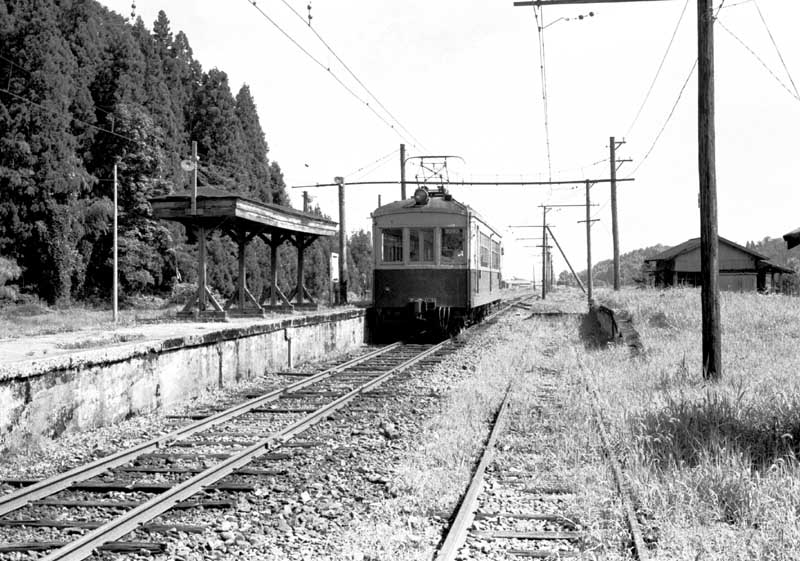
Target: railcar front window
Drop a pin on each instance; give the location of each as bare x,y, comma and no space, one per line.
393,245
452,245
421,245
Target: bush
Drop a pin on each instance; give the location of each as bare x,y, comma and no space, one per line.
9,270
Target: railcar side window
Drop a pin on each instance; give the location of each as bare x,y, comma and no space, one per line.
421,248
392,245
495,255
452,245
485,251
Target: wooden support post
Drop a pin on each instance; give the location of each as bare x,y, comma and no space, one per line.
709,249
273,272
301,246
402,172
305,201
202,280
242,243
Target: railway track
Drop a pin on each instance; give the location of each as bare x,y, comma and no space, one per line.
107,499
510,511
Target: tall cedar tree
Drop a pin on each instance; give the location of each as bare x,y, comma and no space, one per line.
89,91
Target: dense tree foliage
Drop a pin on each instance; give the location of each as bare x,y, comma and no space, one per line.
83,90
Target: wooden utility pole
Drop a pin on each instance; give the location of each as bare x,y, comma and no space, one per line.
709,249
588,244
544,252
305,201
342,244
194,177
402,172
115,282
612,145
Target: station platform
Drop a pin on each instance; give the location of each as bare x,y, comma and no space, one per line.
67,382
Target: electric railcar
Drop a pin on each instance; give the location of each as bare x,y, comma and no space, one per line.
436,262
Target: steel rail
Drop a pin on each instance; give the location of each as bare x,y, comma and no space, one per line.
458,529
59,482
86,545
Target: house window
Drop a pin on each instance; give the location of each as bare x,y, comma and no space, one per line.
452,245
421,245
392,245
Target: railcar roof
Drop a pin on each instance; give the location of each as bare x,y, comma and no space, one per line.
434,204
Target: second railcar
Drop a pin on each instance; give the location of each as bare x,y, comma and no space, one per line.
436,261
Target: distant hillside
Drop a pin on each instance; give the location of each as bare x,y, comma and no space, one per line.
775,250
632,264
630,268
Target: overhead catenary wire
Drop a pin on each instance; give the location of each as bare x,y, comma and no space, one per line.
760,60
327,69
539,17
658,71
373,163
666,122
777,50
356,78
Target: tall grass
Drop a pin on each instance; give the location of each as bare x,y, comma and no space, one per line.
710,458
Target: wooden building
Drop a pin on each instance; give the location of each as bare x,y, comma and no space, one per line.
740,269
243,220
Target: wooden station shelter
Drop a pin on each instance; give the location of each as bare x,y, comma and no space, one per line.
243,220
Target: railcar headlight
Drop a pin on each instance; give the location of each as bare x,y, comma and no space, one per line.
421,196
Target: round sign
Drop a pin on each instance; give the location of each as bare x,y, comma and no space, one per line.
187,165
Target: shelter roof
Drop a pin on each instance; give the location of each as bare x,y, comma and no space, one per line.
792,238
694,243
216,207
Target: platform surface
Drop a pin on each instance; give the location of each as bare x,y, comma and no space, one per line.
32,354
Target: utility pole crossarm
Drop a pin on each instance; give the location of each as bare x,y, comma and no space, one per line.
563,2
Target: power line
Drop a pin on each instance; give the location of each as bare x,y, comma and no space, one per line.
660,67
326,68
666,122
543,78
53,111
777,50
369,165
360,83
760,60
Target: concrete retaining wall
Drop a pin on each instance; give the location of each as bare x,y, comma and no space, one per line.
93,388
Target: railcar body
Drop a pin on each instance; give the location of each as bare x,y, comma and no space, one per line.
436,261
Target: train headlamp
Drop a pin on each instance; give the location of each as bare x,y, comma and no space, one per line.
421,196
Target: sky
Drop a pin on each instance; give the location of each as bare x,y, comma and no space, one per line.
463,78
